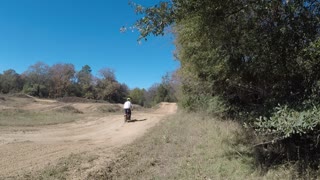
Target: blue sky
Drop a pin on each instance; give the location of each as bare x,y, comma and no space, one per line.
82,32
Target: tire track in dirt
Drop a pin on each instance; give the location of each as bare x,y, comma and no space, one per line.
33,148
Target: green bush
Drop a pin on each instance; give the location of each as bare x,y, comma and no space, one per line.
36,90
216,106
286,122
290,135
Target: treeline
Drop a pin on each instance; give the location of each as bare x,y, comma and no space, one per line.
62,80
166,91
257,61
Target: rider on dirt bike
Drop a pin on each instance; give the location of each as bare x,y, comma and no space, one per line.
127,109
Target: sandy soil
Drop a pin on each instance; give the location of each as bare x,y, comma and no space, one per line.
30,149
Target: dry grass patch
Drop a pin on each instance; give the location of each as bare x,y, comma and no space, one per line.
107,108
190,146
15,102
18,117
68,109
186,146
69,167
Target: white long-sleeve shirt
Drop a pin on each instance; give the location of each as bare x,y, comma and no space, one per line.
127,105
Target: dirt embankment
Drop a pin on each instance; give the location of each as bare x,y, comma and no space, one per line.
30,149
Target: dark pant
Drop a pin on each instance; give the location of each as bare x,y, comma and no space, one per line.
127,111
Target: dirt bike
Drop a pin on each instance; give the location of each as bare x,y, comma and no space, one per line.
127,116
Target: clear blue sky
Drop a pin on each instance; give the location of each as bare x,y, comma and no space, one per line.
82,32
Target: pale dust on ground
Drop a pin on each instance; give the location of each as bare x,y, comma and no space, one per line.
30,149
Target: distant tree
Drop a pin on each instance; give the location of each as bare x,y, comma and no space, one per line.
107,74
138,96
0,83
108,88
161,92
61,79
85,82
150,95
10,82
123,93
37,80
167,88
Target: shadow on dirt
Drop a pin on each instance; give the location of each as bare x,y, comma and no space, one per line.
136,120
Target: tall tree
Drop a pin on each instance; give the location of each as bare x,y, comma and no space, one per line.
0,82
150,95
108,88
37,80
123,93
85,81
138,96
11,81
248,52
61,79
251,55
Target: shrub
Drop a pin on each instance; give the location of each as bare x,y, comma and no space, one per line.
290,135
212,105
286,122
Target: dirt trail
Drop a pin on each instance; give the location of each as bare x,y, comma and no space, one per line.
24,149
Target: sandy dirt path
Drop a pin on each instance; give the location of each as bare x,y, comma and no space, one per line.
30,149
